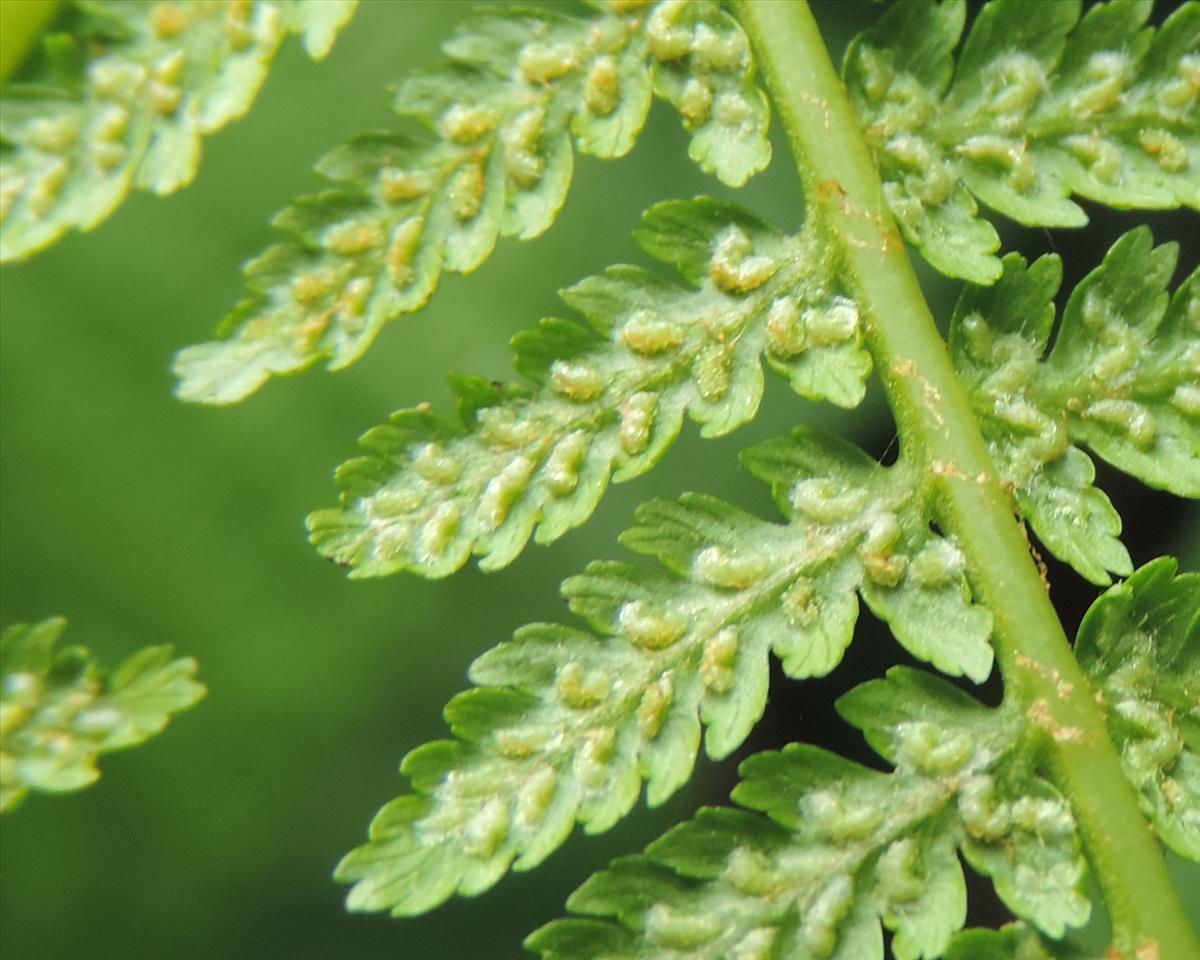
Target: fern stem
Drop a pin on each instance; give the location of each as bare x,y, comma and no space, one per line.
938,429
21,24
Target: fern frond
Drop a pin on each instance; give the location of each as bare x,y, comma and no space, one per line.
58,712
606,398
843,848
120,95
1123,378
519,90
1140,646
1036,109
566,725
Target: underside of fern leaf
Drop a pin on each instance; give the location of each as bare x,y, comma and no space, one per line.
520,91
566,725
605,399
58,711
120,94
1140,646
1037,108
842,848
1123,378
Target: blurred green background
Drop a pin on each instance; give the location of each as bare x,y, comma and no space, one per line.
146,521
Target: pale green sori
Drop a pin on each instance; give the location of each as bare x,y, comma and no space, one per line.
606,397
1123,378
1140,646
609,398
843,847
550,737
544,724
1033,110
1033,115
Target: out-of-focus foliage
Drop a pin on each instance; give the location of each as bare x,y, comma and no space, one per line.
119,94
58,711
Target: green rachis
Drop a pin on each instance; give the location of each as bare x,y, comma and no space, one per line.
932,129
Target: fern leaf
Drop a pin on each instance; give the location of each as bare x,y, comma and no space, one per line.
120,96
1123,378
1014,941
1037,108
1140,646
909,575
519,89
58,712
566,725
605,399
843,847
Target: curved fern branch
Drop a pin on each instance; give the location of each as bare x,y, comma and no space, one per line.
120,95
1123,378
566,725
58,712
520,90
1037,108
843,848
606,398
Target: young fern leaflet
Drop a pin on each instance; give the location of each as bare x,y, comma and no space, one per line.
606,399
843,847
